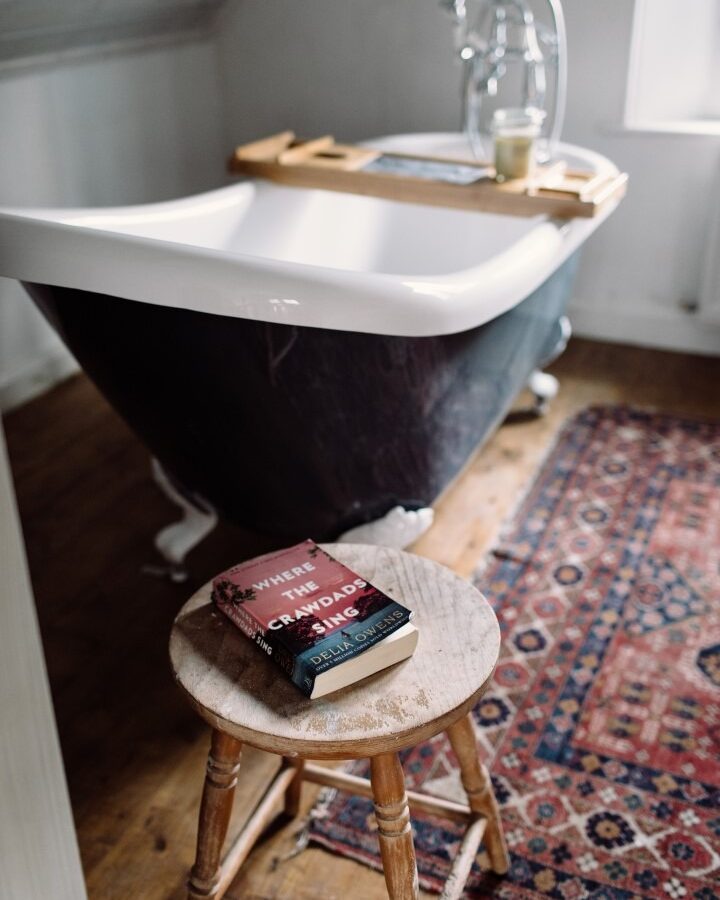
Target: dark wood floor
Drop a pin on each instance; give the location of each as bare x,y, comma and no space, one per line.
134,752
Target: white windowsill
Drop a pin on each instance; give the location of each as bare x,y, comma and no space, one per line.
681,128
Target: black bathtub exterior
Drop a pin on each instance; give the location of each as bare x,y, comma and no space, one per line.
304,432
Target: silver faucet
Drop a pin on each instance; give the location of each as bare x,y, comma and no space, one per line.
500,41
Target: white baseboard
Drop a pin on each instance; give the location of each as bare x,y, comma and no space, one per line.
35,378
663,329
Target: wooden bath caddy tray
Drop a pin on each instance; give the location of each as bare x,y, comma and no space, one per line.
555,190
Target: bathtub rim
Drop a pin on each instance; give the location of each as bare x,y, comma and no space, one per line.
35,247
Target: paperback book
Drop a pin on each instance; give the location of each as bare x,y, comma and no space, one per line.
324,625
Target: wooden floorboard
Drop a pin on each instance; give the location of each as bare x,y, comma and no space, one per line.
134,752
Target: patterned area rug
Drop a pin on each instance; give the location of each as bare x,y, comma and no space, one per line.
602,726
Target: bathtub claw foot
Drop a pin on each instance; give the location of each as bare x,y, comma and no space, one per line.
176,574
544,388
398,528
175,541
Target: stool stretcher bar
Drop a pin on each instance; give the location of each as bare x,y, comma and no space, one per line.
322,775
354,784
458,812
262,816
464,859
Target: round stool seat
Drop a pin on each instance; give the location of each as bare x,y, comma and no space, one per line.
240,692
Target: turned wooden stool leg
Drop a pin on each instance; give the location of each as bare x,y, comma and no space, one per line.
217,800
393,818
292,794
478,787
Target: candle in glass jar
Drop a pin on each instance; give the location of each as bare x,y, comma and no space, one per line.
514,132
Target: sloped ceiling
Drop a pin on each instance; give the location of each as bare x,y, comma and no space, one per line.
33,27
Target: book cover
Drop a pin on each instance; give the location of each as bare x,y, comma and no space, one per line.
309,612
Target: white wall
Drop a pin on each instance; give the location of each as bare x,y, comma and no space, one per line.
359,69
639,268
353,69
99,129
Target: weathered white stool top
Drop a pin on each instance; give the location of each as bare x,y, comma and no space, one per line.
238,690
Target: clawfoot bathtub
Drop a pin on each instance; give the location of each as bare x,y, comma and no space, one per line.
300,361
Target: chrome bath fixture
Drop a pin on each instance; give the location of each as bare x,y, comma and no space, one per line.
511,60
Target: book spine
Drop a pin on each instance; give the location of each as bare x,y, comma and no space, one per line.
302,676
287,661
239,616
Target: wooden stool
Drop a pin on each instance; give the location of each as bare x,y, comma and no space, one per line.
246,699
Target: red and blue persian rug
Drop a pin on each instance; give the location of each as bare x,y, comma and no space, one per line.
602,725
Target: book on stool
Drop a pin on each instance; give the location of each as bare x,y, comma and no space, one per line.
324,625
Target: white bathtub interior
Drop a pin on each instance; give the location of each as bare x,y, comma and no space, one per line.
315,227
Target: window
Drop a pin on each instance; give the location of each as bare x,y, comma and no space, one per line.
674,75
